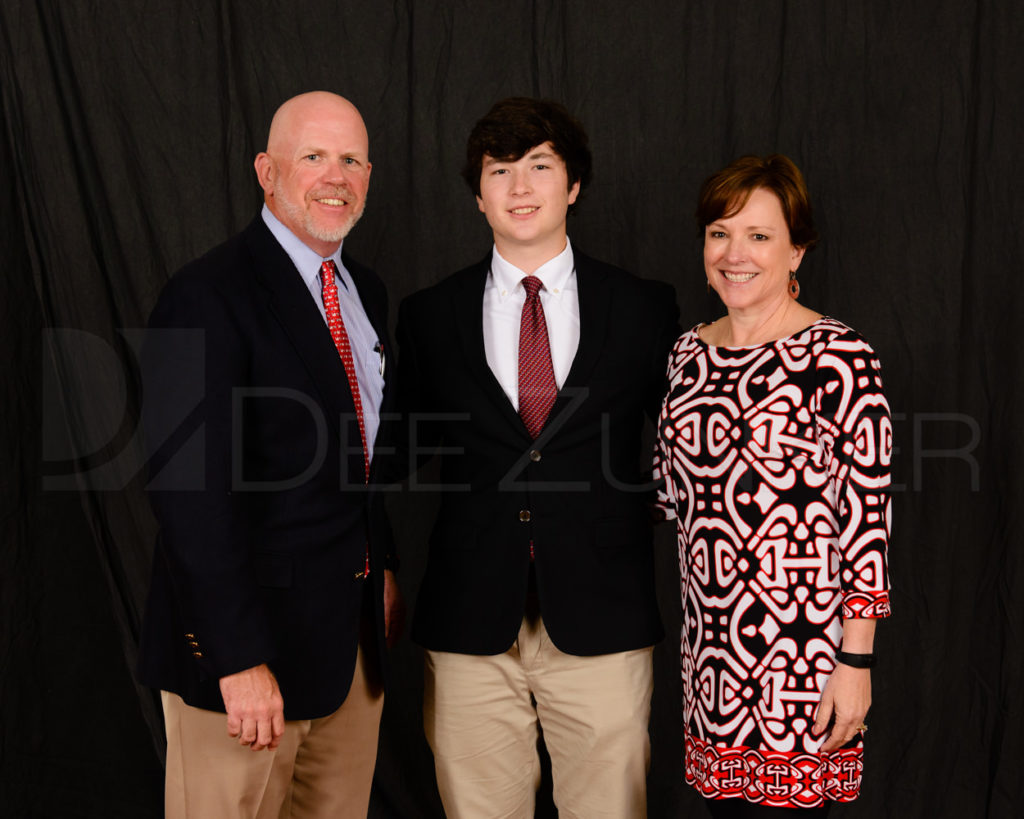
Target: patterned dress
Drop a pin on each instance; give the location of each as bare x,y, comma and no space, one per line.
776,467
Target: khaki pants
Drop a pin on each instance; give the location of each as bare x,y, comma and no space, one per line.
481,714
322,768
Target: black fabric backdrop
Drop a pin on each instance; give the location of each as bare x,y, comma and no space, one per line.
128,134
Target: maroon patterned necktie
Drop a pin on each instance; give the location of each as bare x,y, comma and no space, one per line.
537,388
329,293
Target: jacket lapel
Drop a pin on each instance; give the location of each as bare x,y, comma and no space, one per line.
468,316
289,301
595,307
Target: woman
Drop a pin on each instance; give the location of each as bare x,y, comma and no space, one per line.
774,444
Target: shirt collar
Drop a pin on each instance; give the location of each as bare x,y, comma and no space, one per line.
554,273
306,260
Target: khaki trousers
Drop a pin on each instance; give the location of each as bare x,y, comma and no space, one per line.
481,717
322,768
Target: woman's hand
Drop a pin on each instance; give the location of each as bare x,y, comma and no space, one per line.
847,697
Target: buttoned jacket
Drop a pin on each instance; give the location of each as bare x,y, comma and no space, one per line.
578,493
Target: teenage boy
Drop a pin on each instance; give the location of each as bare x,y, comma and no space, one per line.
533,370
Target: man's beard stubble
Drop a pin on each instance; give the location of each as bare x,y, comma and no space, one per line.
304,217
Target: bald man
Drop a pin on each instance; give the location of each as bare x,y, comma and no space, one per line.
272,598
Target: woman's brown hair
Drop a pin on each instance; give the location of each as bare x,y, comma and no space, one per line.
725,192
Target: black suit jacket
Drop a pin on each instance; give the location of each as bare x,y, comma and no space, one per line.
256,478
577,491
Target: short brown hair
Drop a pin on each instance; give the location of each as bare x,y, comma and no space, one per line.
516,124
725,192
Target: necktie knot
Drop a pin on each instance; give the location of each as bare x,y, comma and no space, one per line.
532,286
327,271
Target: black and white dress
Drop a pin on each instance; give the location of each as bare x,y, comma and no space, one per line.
776,467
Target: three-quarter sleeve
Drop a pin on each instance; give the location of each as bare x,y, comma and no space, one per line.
854,427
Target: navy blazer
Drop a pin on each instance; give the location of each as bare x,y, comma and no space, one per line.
578,493
256,479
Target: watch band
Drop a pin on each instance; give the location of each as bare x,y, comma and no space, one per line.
856,660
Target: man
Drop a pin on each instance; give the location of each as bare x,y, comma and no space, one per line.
533,370
264,377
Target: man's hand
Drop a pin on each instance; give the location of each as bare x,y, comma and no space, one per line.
394,608
847,694
255,707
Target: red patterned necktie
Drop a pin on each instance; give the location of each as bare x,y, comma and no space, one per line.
329,293
337,327
537,388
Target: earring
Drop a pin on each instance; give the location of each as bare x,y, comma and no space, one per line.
794,285
707,283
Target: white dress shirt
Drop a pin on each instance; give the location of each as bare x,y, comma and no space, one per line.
361,335
504,297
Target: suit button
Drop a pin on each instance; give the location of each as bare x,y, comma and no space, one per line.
193,643
197,654
524,515
535,455
190,636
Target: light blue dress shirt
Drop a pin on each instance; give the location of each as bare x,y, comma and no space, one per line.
361,335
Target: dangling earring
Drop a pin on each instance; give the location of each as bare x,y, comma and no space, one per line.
707,283
794,285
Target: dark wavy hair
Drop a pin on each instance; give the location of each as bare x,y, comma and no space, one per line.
516,124
725,192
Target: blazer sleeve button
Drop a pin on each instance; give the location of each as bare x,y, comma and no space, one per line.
535,455
524,515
